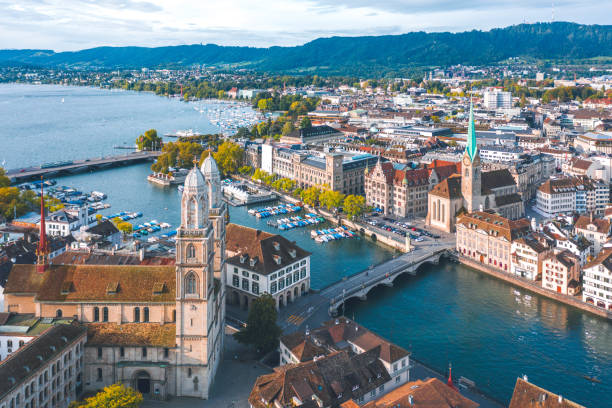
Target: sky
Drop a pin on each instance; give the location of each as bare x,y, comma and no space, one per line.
65,25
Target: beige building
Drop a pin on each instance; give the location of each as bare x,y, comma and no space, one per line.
398,192
158,329
528,253
487,238
561,273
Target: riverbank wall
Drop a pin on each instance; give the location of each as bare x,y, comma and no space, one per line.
533,287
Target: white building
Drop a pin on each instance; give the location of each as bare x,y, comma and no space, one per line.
494,98
47,372
500,154
259,262
597,281
571,194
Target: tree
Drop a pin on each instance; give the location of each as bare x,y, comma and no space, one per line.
229,157
288,128
113,396
305,123
261,330
354,206
149,141
311,196
125,227
244,170
4,181
331,199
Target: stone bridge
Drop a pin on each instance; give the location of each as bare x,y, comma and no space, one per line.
384,274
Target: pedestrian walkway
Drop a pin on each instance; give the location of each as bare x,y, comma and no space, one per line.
295,320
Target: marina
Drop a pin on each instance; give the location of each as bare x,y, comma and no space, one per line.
280,209
445,313
297,222
332,234
227,116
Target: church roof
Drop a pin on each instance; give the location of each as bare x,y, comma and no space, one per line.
495,225
448,188
209,167
86,283
496,179
194,180
131,334
472,147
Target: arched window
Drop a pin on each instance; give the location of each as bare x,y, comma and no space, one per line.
189,372
191,284
195,383
105,314
99,374
174,316
145,317
136,314
96,316
58,313
191,253
192,213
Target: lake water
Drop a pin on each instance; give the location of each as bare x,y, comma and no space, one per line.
489,330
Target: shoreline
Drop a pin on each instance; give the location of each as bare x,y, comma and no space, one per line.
515,281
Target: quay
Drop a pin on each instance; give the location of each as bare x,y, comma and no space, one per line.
574,301
29,173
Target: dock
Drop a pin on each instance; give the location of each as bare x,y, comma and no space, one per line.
69,167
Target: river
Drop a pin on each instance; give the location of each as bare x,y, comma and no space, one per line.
489,330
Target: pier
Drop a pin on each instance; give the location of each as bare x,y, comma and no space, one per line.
50,170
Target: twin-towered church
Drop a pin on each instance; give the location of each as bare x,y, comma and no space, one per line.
157,328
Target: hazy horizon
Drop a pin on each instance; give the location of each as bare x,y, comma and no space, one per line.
70,25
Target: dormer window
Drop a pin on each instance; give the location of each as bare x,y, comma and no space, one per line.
252,262
293,253
242,258
66,287
277,259
276,246
112,288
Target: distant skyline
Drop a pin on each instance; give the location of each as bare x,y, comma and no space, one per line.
65,25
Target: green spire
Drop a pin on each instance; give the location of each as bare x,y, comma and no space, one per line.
472,147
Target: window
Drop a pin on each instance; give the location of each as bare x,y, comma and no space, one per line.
166,352
189,372
303,273
174,315
255,288
99,374
58,313
136,314
245,284
288,280
146,315
96,314
190,284
191,251
245,273
99,352
195,384
296,276
105,314
121,351
236,281
21,343
144,352
273,287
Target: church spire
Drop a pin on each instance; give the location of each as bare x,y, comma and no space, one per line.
42,252
471,147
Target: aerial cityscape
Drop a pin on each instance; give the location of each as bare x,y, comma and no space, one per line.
307,204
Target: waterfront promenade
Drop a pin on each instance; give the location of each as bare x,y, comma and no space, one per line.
34,172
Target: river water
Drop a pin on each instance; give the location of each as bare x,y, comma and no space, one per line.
489,330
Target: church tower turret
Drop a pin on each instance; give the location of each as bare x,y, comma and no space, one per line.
198,310
471,184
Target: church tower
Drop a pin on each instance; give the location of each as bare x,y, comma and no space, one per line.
471,184
217,210
198,318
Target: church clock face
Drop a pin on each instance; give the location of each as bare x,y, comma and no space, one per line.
466,161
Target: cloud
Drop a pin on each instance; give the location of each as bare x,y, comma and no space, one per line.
76,24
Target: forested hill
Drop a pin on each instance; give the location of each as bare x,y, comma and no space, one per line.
542,41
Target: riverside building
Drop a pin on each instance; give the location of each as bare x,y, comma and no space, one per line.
259,262
158,329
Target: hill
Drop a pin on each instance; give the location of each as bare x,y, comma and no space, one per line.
558,41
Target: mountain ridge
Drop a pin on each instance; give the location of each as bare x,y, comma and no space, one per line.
538,41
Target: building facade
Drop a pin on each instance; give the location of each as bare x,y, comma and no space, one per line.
597,281
158,329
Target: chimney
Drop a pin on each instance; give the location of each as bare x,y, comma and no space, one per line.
591,216
560,399
525,378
